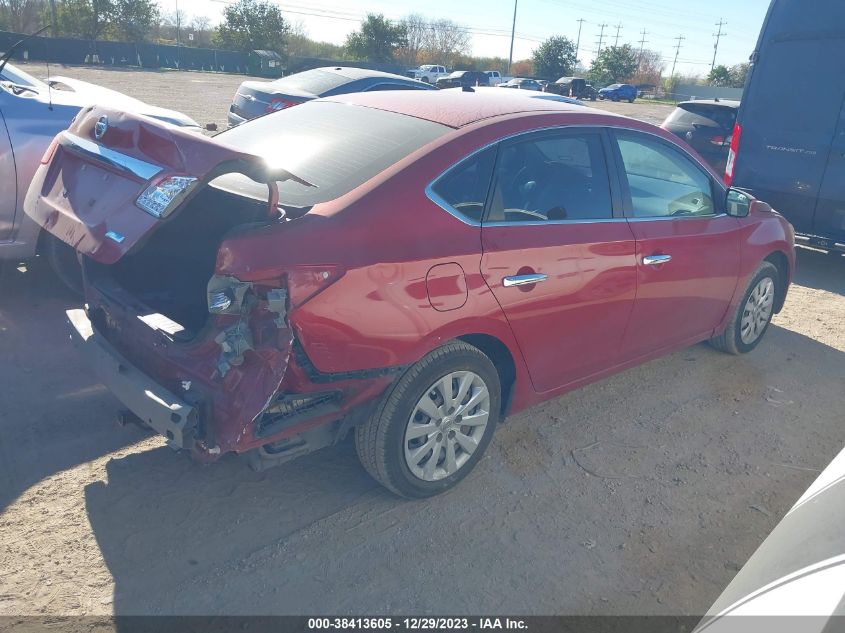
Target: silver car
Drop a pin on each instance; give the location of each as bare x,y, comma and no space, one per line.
31,114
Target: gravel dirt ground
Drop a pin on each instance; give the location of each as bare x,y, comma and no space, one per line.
641,494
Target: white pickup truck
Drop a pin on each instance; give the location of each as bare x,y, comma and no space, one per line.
496,77
428,73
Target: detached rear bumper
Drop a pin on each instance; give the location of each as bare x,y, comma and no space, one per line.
158,407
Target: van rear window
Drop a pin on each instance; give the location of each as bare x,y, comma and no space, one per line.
334,146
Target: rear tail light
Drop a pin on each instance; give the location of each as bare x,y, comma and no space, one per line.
48,155
228,295
732,153
160,198
278,103
306,281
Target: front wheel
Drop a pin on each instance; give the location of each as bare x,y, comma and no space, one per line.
434,425
753,315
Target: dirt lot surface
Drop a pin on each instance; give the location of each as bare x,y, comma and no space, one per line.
642,494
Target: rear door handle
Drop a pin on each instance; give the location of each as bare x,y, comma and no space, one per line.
656,260
523,280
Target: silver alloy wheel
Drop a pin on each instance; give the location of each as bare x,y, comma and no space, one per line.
757,311
447,425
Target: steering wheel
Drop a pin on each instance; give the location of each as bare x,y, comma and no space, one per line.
689,204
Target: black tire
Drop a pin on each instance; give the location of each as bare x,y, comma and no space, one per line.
630,101
62,259
380,440
730,341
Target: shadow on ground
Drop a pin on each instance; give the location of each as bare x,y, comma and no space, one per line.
52,408
651,489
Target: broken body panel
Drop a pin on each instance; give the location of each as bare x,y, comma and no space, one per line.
219,383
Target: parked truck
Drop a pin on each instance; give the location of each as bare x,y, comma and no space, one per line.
428,73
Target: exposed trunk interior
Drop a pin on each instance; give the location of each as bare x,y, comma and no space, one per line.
170,271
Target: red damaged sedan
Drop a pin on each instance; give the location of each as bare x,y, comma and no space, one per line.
408,267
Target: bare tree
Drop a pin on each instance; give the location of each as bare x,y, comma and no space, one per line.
417,28
299,44
446,42
21,16
650,69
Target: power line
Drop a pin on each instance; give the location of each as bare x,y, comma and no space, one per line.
578,43
718,36
680,40
601,38
642,47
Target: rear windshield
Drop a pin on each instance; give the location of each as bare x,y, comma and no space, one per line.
334,146
314,81
703,114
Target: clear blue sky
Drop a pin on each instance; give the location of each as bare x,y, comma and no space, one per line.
663,21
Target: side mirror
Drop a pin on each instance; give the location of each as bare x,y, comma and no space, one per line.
738,203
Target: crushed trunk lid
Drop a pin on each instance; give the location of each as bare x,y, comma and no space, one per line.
111,178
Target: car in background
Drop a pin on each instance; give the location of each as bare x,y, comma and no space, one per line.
521,83
574,87
429,73
299,277
707,126
619,92
256,98
32,112
786,147
463,79
495,77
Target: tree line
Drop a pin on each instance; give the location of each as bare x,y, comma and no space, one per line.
414,40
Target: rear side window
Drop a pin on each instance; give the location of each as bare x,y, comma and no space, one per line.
662,181
314,81
464,188
330,145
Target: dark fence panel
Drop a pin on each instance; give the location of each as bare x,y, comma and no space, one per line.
63,50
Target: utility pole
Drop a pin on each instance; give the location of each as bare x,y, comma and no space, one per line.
178,28
642,48
618,29
601,38
718,36
679,40
578,43
513,35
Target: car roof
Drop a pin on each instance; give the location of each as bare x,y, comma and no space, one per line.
728,103
457,108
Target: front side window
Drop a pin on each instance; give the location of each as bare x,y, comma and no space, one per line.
662,181
464,188
552,178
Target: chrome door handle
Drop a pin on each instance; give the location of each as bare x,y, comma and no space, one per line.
656,260
523,280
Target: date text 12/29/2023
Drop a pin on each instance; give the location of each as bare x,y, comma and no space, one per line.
417,624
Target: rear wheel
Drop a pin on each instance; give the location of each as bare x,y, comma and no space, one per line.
63,261
753,315
630,101
434,425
